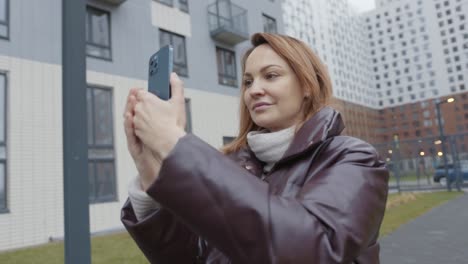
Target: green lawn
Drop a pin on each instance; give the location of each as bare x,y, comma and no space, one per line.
120,248
405,207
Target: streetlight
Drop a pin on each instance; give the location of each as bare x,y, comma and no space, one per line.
442,137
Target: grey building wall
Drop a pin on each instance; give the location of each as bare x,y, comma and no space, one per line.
35,31
35,34
201,48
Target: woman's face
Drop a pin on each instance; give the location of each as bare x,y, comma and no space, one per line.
272,91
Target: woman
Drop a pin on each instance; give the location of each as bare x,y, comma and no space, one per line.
290,189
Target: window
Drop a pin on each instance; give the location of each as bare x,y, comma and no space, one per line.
4,19
166,2
227,72
101,161
180,55
269,24
3,165
98,33
183,6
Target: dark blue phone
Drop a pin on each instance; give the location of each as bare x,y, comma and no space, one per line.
159,72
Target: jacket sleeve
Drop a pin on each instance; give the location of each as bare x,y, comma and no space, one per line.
160,236
333,219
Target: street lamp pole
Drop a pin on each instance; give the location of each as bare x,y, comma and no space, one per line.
442,139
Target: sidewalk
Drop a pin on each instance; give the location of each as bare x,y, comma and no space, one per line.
439,236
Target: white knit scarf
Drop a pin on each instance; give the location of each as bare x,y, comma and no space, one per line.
270,147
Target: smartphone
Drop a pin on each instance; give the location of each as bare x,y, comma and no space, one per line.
159,72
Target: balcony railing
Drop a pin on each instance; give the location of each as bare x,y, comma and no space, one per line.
227,22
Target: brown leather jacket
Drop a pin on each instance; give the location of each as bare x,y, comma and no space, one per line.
323,202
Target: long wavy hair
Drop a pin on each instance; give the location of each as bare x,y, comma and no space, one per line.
311,73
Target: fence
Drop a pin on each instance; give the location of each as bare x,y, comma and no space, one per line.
420,164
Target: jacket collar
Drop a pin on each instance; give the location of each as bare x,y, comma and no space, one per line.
326,123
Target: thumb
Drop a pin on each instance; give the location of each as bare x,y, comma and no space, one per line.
177,88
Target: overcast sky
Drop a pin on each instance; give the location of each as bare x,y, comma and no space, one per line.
362,5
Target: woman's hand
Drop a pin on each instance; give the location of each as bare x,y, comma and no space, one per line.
159,124
148,167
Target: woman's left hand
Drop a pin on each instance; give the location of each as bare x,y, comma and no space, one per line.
160,124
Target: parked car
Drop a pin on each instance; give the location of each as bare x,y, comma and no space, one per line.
440,174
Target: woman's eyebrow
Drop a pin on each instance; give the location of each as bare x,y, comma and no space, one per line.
263,69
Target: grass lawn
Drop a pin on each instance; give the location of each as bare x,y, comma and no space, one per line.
120,248
401,208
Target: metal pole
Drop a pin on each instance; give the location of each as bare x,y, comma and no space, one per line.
75,156
456,163
396,161
442,138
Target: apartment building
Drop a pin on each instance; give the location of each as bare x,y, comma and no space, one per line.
419,55
339,36
209,37
392,65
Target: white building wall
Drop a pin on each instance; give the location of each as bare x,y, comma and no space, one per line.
337,34
419,50
34,148
34,153
171,19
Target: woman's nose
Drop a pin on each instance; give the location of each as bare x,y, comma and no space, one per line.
256,89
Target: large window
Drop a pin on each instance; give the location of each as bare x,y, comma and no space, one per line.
101,160
269,24
4,19
227,72
183,6
3,170
98,33
180,54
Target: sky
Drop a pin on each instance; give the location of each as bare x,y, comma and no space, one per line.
362,5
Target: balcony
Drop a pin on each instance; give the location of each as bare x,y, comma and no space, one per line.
113,2
227,22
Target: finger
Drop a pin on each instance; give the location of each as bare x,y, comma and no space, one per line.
134,91
143,95
128,104
177,88
132,102
129,131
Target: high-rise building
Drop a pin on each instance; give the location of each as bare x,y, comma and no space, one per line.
339,36
402,57
419,53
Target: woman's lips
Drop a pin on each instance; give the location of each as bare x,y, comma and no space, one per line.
261,106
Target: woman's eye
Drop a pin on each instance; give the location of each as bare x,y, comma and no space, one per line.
247,83
271,75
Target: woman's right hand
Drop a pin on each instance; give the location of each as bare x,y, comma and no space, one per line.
148,167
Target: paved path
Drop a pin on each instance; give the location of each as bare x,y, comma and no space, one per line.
439,236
